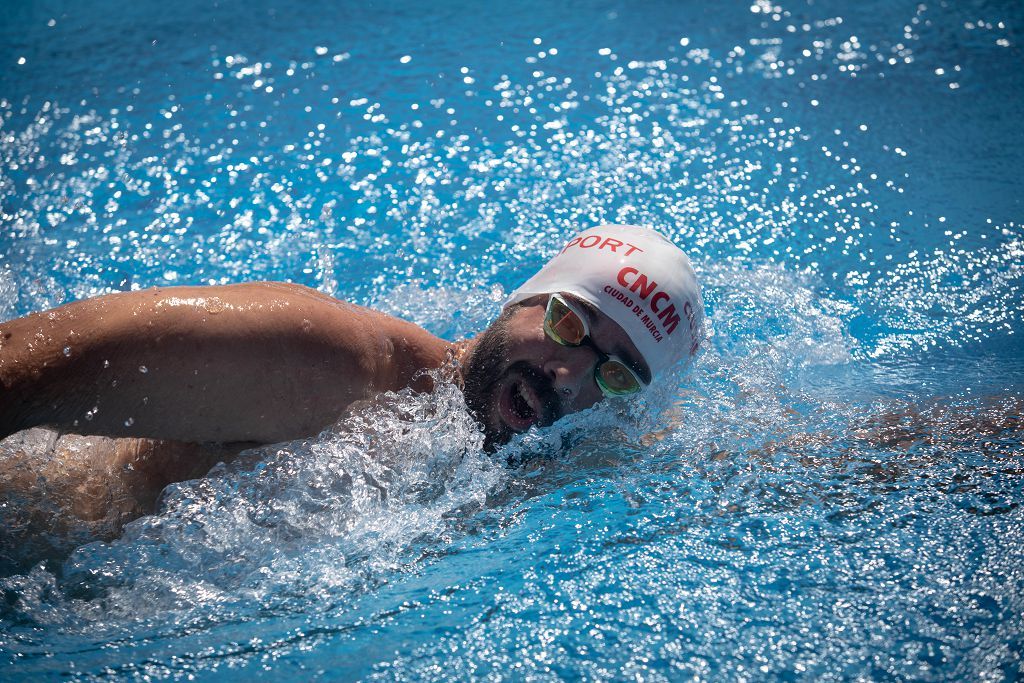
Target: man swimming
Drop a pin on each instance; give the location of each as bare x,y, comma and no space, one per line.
270,362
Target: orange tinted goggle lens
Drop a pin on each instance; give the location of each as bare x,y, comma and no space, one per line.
563,325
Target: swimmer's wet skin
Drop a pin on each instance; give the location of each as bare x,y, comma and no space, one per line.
270,362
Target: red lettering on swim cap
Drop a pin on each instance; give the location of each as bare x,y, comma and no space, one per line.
641,283
595,241
660,296
644,285
668,317
573,241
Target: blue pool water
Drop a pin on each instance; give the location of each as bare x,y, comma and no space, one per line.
833,491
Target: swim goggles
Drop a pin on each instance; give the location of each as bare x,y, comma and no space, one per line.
564,324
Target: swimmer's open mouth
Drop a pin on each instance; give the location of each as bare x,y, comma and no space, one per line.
519,405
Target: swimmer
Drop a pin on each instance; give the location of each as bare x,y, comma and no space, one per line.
261,363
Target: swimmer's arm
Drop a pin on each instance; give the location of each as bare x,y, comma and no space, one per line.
259,362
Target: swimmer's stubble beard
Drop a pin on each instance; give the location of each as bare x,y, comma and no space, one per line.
486,366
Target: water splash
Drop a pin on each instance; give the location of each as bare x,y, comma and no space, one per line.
323,518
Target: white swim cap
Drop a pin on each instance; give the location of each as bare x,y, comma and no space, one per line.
636,277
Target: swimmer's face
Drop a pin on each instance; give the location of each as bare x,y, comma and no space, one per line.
518,377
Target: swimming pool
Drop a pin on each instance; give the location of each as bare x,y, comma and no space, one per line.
837,492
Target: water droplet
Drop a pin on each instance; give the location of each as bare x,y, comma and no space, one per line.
106,363
213,305
129,422
67,350
143,369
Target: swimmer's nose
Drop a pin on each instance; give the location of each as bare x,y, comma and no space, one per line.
570,370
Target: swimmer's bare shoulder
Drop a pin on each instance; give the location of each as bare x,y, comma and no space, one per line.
256,362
